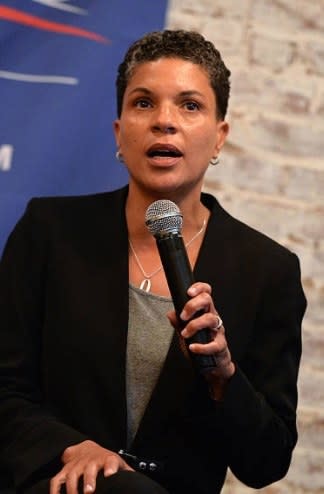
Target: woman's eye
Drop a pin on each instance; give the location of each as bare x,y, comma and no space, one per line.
142,103
191,105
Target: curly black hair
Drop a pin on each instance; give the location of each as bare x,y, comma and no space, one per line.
187,45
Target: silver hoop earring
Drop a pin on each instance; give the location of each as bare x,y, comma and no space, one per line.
119,156
214,161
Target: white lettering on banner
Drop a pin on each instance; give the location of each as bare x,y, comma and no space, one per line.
42,79
61,5
6,154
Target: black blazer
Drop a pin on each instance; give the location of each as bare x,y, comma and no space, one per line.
63,323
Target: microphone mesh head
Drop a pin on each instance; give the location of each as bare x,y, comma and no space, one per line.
163,217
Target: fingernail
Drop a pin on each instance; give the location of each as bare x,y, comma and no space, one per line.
183,315
88,488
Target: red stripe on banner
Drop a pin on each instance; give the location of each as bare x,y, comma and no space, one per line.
19,17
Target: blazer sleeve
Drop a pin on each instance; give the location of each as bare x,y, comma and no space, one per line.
29,435
259,409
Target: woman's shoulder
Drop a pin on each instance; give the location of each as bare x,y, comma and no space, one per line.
74,203
238,235
50,217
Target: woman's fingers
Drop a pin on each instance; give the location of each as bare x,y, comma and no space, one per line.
201,301
112,464
83,462
90,478
71,482
57,482
207,320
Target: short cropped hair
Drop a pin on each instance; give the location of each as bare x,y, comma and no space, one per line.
187,45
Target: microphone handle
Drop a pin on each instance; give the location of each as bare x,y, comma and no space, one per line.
180,277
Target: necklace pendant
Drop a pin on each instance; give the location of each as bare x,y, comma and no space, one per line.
146,285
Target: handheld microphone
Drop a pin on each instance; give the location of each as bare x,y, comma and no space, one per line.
164,221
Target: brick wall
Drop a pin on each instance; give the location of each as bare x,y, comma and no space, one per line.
272,169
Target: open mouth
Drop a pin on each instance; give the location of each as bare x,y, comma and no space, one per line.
164,151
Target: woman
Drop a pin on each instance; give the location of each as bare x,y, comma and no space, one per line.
95,384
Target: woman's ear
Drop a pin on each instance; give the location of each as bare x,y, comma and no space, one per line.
222,133
116,128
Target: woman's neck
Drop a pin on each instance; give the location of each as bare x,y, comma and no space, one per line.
193,211
145,268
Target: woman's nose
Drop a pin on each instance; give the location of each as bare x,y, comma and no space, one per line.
164,120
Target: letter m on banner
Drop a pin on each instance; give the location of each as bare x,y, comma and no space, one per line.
6,153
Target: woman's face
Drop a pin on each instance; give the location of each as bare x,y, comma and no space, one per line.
168,129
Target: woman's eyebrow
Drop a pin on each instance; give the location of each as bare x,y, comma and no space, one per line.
187,93
191,92
141,90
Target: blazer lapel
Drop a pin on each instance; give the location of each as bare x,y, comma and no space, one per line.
110,248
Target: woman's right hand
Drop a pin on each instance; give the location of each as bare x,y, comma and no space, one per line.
85,460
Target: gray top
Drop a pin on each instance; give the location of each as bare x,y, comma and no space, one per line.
148,342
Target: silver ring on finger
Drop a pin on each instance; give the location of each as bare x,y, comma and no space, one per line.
219,324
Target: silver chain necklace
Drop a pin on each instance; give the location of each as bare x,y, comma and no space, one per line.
146,283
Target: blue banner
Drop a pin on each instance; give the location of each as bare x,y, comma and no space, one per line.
58,62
